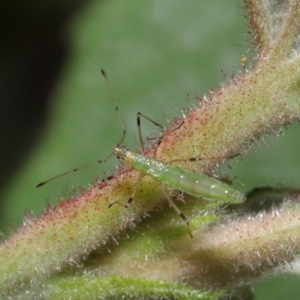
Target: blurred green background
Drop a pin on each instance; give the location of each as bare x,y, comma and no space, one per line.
56,112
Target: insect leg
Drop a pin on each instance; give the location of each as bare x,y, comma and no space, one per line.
138,121
131,198
138,181
179,212
171,202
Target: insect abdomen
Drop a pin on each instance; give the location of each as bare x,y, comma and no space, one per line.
200,185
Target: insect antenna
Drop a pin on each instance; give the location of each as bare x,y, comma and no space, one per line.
108,156
112,97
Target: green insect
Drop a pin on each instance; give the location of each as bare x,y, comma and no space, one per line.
190,182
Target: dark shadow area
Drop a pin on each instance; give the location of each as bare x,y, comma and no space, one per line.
32,53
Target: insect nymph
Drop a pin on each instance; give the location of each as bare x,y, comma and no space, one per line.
190,182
